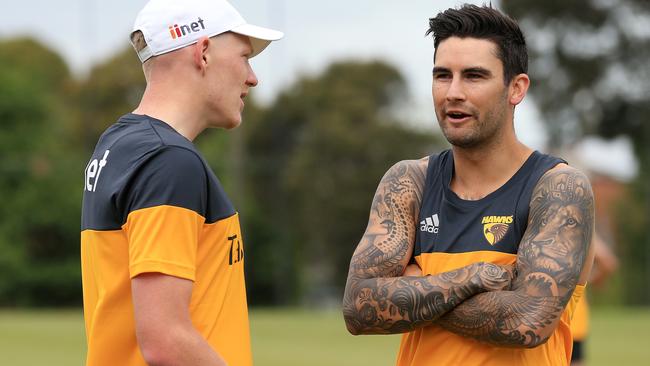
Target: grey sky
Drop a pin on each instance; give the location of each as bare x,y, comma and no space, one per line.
85,32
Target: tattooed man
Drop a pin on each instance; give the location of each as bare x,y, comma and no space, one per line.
478,253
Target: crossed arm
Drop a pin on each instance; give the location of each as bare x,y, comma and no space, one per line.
550,261
377,298
468,301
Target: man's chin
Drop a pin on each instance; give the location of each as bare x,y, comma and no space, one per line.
463,142
233,124
228,124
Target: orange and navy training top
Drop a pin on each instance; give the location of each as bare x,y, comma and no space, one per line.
453,233
152,204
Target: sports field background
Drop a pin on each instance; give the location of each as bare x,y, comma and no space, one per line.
298,337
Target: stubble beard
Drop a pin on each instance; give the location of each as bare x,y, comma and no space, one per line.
483,129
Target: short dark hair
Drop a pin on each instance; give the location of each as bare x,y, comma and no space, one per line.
484,22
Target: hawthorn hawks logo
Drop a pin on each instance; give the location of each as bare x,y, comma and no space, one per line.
496,227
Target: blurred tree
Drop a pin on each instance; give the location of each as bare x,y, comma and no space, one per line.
314,159
112,89
589,65
38,174
302,171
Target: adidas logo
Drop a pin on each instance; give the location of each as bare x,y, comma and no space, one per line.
430,224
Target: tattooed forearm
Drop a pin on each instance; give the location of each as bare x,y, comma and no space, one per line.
376,300
550,258
507,318
401,304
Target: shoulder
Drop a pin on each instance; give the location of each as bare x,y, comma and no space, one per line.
405,179
159,146
564,179
178,156
408,169
173,165
169,136
171,176
141,130
136,138
563,193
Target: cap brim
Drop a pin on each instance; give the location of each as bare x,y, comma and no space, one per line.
260,37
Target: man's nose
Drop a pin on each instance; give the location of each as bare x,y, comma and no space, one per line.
456,91
251,81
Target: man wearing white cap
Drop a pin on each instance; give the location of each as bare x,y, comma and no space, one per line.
161,248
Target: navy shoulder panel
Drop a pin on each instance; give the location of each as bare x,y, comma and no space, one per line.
142,162
171,176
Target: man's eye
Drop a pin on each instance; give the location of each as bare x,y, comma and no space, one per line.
474,76
441,76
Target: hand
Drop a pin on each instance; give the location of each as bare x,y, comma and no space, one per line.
494,277
412,270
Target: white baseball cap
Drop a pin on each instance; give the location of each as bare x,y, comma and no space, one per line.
168,25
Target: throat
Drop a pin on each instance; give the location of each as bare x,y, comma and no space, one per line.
469,192
473,180
470,196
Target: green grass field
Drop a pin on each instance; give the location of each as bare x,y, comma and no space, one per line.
291,337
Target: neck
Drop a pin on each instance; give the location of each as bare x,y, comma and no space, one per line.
170,102
482,170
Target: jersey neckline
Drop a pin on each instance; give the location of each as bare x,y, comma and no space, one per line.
137,118
448,170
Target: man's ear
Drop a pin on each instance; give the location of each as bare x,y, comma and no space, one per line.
518,89
201,56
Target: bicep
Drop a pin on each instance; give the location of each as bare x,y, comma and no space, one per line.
555,246
160,303
387,244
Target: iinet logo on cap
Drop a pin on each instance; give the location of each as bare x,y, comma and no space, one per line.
183,30
168,25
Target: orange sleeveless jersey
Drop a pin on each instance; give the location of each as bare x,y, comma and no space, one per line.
453,233
580,320
433,345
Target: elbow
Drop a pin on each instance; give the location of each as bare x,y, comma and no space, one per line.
154,359
536,342
350,313
352,329
351,320
537,337
156,356
158,349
